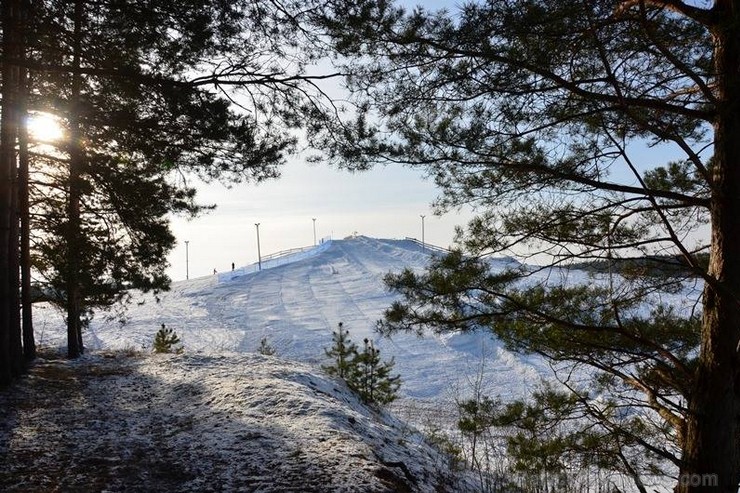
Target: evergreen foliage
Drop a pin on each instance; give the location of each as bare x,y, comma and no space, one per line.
166,341
545,443
342,353
371,378
537,113
266,348
363,371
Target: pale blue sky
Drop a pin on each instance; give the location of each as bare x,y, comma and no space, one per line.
383,203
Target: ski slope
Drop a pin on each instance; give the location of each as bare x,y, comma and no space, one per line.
296,305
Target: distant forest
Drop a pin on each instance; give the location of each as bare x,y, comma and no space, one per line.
649,265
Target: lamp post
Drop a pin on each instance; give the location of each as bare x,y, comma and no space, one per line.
423,243
259,255
187,260
314,231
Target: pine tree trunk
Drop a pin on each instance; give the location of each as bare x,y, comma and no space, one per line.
8,125
16,340
29,342
16,343
711,455
74,346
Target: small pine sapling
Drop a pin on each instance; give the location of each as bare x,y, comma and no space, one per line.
342,352
371,378
166,341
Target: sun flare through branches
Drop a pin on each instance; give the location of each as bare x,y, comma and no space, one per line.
45,128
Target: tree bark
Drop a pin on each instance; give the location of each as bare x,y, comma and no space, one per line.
16,342
74,329
12,47
711,455
29,342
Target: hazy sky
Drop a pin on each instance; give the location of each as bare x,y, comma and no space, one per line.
383,203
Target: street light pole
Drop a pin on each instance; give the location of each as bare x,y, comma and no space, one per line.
314,231
423,242
259,255
187,260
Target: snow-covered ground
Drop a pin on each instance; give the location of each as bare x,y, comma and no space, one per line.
229,419
221,417
298,304
120,422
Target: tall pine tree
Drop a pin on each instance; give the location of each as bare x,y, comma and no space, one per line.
11,351
125,79
541,114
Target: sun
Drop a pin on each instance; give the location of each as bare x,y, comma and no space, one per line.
45,127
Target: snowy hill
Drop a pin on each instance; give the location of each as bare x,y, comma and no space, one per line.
251,421
296,305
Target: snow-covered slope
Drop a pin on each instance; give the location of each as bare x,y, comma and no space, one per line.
199,423
296,305
295,302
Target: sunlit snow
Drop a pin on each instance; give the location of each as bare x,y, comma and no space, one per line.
222,418
296,302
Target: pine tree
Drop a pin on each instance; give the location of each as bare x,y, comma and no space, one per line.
371,377
539,113
166,341
13,15
343,353
133,83
364,372
266,349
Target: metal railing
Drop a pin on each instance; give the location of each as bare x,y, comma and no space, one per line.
285,253
429,246
275,260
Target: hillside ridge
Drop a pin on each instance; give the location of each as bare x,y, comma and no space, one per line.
116,421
